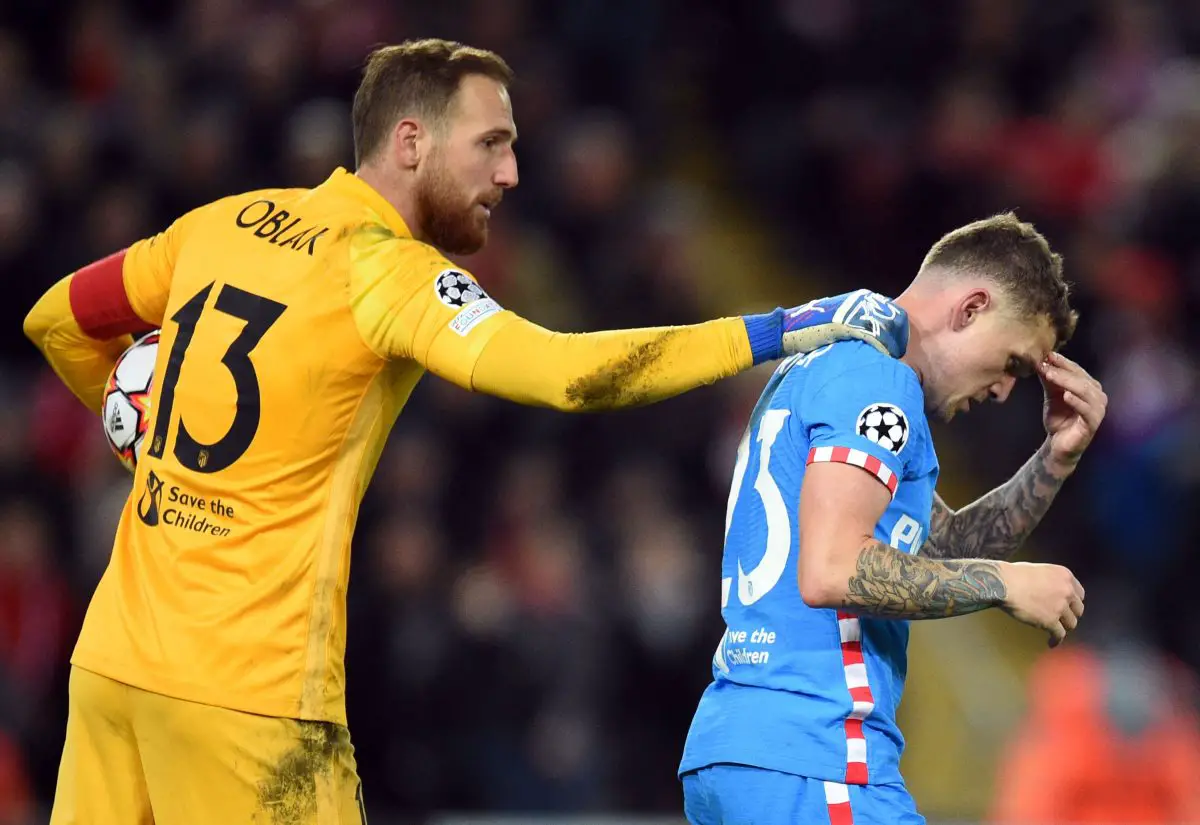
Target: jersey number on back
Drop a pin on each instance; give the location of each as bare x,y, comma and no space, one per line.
757,583
260,314
753,585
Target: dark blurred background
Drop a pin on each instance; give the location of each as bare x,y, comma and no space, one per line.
534,596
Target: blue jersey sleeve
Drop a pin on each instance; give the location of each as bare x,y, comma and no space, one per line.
864,410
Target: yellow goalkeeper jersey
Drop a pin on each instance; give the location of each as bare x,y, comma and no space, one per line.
295,324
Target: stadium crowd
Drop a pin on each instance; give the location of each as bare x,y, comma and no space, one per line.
534,595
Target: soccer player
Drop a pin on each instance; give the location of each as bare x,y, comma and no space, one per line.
835,537
208,680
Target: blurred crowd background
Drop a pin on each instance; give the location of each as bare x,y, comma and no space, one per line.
534,598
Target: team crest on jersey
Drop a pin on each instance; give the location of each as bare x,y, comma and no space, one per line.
456,289
885,424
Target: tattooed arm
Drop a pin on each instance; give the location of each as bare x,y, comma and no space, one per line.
996,525
888,583
843,567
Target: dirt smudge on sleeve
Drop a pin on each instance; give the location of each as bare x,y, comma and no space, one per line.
612,385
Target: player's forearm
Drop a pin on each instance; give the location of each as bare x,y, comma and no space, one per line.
81,361
887,583
608,370
997,524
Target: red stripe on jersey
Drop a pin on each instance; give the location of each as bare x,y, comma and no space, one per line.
856,773
856,458
854,729
840,814
862,694
852,653
99,302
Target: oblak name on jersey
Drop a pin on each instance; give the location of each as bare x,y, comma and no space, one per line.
800,690
279,227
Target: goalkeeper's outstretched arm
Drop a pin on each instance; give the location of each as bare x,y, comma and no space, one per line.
523,362
411,303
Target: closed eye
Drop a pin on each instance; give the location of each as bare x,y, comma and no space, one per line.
1018,367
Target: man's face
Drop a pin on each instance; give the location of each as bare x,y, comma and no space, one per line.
983,359
469,164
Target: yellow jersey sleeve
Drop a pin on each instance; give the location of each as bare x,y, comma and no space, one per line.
577,372
81,361
83,323
410,302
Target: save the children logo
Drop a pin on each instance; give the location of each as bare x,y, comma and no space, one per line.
184,510
148,504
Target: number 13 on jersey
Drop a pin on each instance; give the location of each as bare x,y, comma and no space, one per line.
260,314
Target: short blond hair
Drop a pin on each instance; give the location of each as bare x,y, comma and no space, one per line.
416,77
1019,259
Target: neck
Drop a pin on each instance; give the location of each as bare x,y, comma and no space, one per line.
915,356
397,191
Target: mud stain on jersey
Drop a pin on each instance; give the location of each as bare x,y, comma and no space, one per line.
368,233
613,385
289,792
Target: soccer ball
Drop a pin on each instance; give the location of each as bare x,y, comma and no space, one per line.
127,400
885,425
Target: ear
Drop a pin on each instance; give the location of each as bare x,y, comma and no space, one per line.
969,307
407,143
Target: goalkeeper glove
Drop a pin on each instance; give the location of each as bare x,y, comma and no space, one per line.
861,315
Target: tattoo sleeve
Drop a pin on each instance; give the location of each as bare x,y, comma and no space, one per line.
996,525
888,583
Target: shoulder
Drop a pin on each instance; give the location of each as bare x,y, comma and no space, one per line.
852,365
378,254
372,240
853,386
864,400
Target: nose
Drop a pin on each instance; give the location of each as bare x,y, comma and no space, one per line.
506,176
1001,389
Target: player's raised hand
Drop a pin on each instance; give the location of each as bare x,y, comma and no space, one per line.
862,315
1043,595
1074,406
